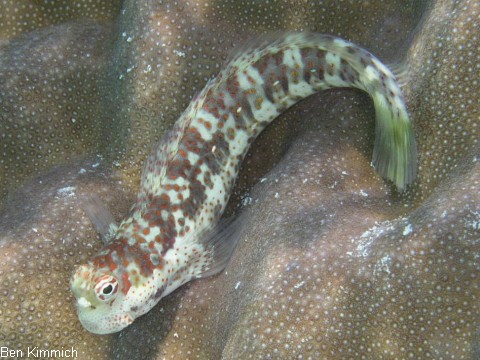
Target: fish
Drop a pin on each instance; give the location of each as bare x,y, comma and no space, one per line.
173,232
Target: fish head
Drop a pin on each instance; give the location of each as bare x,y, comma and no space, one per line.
117,285
101,299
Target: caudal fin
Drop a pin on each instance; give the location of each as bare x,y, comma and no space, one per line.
395,152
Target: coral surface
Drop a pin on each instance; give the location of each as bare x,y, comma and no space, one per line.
334,263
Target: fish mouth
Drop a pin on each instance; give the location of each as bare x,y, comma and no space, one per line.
105,325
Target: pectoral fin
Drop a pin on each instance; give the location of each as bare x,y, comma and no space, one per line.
100,216
220,242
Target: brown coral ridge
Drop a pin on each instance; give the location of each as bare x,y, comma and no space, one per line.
52,99
334,264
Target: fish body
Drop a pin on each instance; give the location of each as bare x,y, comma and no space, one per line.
170,236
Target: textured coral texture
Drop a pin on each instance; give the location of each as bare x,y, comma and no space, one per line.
333,263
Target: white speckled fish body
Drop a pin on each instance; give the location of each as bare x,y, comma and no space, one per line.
169,237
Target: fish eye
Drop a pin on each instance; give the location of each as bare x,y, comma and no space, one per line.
106,288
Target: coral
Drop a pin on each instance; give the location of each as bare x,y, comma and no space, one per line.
334,263
51,99
21,16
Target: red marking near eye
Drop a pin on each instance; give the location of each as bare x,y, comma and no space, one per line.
99,262
97,279
110,262
86,275
126,283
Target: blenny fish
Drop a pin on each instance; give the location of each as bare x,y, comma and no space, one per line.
172,234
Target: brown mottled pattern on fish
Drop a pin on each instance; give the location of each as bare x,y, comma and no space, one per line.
169,237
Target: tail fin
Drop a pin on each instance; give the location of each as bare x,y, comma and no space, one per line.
395,152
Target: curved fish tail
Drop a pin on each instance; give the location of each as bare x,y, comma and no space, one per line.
394,152
274,73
